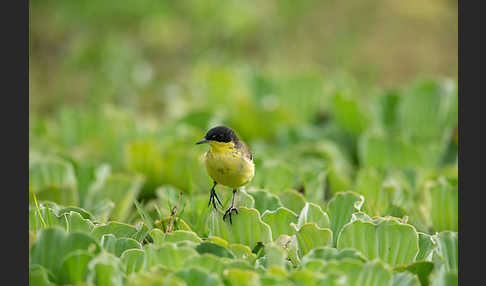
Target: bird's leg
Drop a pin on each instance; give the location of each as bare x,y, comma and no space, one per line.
213,196
232,208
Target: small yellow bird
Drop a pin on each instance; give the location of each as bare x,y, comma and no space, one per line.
229,162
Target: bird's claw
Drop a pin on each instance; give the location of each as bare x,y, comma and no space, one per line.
228,213
213,198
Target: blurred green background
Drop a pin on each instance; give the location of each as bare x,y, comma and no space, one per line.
140,53
330,95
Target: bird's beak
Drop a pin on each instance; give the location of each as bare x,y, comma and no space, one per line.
204,140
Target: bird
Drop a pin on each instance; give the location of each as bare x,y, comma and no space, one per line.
229,162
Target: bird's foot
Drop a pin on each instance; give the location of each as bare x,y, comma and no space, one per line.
213,198
228,213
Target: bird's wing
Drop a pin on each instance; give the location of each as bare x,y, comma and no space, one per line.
245,150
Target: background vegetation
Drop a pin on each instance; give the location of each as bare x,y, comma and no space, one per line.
349,107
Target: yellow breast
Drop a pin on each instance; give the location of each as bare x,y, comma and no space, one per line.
227,166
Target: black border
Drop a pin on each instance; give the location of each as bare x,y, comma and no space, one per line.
15,140
471,78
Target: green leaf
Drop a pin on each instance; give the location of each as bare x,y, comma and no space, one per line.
447,250
313,264
426,245
442,277
154,279
178,224
372,273
313,213
332,279
275,255
420,268
84,213
133,260
181,235
290,87
291,245
209,262
247,228
245,199
442,205
102,210
217,250
120,230
328,253
310,236
370,183
279,221
239,277
168,255
117,246
242,252
186,243
105,270
160,237
76,222
264,200
53,244
387,111
292,200
405,279
196,276
274,175
53,179
68,220
305,277
240,264
381,151
85,175
219,241
348,113
340,209
275,275
313,176
74,266
38,275
428,111
48,214
388,239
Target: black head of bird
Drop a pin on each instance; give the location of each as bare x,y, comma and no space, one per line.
221,134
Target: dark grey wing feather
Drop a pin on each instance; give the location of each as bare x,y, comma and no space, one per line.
244,150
